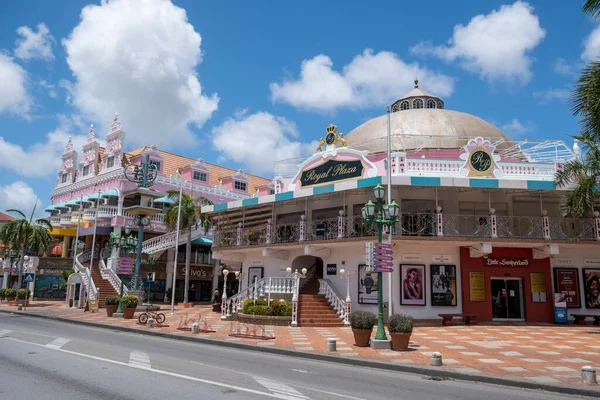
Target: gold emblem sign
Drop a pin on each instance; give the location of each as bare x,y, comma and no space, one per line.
331,138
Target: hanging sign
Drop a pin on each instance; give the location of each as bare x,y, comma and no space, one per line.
476,286
125,266
479,157
332,171
506,262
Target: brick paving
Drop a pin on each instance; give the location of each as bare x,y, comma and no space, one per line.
541,353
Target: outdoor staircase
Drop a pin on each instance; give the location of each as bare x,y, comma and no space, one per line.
313,308
104,287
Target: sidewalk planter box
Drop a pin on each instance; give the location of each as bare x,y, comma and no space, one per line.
400,327
263,319
129,306
111,304
362,323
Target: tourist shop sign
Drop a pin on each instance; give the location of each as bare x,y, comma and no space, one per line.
506,262
332,171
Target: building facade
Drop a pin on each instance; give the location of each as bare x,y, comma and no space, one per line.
479,231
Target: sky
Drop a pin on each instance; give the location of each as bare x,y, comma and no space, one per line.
244,83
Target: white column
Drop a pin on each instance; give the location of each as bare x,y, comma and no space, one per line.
114,255
169,282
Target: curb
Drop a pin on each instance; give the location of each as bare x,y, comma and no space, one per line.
329,358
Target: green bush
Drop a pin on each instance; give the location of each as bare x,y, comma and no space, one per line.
250,302
362,320
280,309
130,301
258,310
400,323
112,300
23,294
2,293
10,293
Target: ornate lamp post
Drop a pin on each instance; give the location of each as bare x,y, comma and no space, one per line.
239,275
296,276
127,243
224,309
381,215
12,255
348,310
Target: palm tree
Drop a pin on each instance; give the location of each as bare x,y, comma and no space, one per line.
191,215
592,8
26,235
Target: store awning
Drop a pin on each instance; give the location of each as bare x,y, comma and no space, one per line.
164,200
95,196
50,208
110,193
60,206
82,199
204,241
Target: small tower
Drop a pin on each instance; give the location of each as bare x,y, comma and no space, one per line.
66,175
88,166
113,154
416,99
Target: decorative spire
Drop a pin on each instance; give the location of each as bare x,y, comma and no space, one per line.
91,136
416,83
116,125
69,147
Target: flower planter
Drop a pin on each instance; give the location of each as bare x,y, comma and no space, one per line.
128,313
216,307
362,337
111,309
400,341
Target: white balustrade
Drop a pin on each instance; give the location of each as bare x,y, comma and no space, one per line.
262,288
86,276
108,273
333,298
167,241
107,211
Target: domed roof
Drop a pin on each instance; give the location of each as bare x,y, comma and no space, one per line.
422,129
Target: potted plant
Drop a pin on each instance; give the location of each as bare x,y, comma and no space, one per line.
11,294
362,323
129,306
400,327
23,296
111,303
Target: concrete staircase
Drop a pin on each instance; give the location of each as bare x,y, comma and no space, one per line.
103,285
313,309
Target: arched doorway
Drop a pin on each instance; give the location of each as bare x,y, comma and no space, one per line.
310,263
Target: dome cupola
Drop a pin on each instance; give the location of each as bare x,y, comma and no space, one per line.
417,99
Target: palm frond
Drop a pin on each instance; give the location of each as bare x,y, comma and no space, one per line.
591,8
18,212
585,99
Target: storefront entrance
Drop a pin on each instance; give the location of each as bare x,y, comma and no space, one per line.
507,299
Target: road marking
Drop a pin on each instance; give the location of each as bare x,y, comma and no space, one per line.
281,390
156,371
4,332
335,394
58,343
138,359
302,371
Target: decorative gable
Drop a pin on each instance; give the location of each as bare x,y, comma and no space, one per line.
198,172
237,182
66,175
89,163
113,153
154,156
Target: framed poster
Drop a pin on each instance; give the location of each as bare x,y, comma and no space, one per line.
591,286
367,285
443,285
476,286
255,272
412,285
537,281
566,283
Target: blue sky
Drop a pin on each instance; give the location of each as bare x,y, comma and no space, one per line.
240,82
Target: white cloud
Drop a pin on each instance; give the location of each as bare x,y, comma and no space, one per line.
49,87
516,128
496,46
34,44
20,196
563,67
139,57
46,154
548,95
258,139
13,91
591,46
368,80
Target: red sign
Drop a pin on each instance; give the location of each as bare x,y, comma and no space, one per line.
506,262
567,284
125,266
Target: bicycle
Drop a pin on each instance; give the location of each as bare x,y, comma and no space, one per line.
158,317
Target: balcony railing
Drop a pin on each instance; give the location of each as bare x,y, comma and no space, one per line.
418,225
55,220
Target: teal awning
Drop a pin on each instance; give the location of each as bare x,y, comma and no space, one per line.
110,193
71,203
95,196
165,200
59,206
81,200
50,208
205,241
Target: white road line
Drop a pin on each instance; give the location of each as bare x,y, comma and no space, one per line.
281,390
4,332
58,343
335,394
156,371
138,359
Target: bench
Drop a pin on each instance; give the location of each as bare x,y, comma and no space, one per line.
469,319
580,318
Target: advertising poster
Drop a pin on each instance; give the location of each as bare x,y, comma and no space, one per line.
443,285
49,287
255,274
566,282
591,284
367,285
413,284
476,286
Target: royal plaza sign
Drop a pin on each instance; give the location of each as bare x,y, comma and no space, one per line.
332,171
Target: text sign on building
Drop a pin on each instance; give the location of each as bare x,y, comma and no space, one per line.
332,171
567,285
125,266
476,286
506,262
383,257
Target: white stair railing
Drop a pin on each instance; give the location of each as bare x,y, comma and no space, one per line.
167,241
262,288
86,276
333,298
110,275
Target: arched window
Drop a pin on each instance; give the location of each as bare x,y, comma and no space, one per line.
430,103
395,108
404,105
418,103
440,104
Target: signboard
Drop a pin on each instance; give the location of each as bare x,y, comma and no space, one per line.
479,157
506,262
591,261
477,286
441,258
538,287
125,266
413,284
29,277
566,283
411,258
92,305
150,276
383,257
367,285
332,171
443,285
331,269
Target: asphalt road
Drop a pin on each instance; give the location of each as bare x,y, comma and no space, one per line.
55,360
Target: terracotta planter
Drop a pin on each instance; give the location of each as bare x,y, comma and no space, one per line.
128,313
362,337
400,341
111,309
216,307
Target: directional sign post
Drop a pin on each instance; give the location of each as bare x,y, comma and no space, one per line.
29,277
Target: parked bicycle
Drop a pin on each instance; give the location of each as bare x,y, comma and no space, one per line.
158,317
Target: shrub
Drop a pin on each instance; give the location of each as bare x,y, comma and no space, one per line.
23,294
280,309
2,293
112,300
258,310
362,320
250,302
130,301
10,293
400,323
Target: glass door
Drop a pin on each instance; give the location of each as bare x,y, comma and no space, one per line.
507,299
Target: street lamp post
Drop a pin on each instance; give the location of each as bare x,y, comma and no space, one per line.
381,215
128,242
224,309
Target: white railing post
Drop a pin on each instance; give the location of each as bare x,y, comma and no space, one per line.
269,231
302,228
493,223
546,225
440,221
341,225
269,292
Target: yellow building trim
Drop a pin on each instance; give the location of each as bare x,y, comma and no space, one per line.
64,232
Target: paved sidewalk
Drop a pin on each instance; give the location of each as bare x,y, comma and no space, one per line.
535,353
